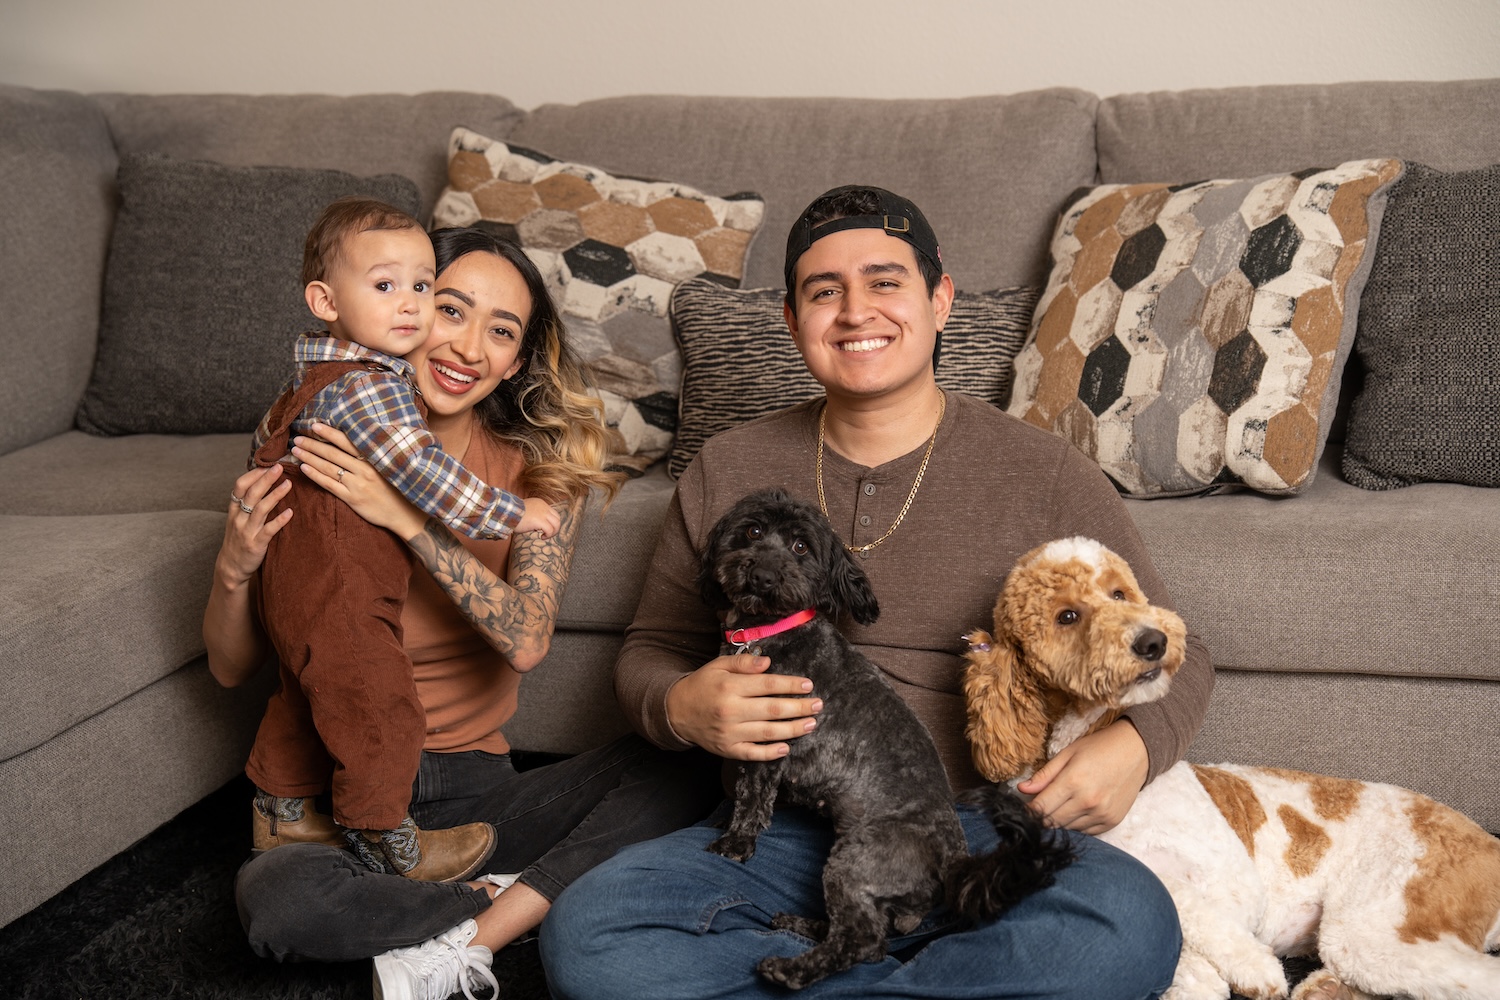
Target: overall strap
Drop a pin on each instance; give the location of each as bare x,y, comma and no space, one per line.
294,401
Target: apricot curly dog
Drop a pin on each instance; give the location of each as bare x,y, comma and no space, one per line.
1396,893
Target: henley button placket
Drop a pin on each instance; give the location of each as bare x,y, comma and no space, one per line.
865,520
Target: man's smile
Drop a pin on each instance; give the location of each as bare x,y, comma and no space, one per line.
860,346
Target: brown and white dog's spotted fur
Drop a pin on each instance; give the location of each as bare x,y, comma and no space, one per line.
1396,893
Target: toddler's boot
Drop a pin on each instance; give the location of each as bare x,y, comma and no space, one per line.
276,820
450,855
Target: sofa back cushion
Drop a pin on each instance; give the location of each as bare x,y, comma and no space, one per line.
57,169
1243,131
988,172
364,135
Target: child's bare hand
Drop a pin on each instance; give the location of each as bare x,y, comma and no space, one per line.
540,518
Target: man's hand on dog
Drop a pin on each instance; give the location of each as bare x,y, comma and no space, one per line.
1090,785
732,707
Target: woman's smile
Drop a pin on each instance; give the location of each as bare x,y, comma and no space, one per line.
453,377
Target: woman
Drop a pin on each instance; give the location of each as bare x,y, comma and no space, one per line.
479,614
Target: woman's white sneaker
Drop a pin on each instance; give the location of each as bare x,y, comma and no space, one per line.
436,969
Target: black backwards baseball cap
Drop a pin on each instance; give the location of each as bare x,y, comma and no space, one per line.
895,214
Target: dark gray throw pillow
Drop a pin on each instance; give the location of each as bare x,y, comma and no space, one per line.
739,362
1429,337
203,291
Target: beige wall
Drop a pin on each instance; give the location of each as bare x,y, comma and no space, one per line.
557,50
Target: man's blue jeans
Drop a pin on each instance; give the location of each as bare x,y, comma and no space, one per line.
666,918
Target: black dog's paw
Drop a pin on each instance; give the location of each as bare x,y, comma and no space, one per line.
813,930
792,973
734,846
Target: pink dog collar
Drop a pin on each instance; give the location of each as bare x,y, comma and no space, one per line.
743,637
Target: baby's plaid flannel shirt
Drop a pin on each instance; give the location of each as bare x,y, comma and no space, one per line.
377,409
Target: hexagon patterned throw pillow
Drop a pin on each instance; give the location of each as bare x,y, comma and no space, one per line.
1192,337
612,249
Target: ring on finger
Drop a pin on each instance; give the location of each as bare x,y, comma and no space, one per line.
243,506
341,474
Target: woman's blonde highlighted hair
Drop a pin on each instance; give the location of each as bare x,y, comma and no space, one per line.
547,408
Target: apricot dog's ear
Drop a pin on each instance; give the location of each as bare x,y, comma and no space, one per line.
1007,727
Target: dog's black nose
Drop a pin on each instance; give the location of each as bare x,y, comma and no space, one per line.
1150,645
763,580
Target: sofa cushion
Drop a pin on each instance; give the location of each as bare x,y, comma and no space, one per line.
203,291
740,361
57,165
97,608
612,249
363,134
1430,734
77,473
614,550
99,786
1429,337
1337,580
569,706
1340,558
988,172
1193,336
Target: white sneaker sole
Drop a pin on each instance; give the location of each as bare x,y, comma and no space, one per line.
399,986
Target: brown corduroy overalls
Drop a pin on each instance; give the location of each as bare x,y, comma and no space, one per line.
332,587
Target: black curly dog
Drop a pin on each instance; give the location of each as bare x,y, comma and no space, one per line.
870,766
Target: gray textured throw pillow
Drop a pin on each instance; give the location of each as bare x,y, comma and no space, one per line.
739,361
203,294
1429,337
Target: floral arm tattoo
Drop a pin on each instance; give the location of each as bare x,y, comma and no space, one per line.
515,616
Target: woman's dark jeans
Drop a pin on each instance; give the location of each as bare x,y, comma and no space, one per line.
307,901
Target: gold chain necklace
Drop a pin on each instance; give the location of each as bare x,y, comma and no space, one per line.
916,484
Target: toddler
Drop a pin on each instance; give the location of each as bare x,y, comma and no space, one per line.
346,718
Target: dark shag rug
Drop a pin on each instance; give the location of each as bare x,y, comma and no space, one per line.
159,921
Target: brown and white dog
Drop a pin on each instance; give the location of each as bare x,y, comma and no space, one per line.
1397,894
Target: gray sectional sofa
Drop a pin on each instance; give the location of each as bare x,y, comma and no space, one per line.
1354,632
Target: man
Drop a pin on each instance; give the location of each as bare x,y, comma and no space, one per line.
937,494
